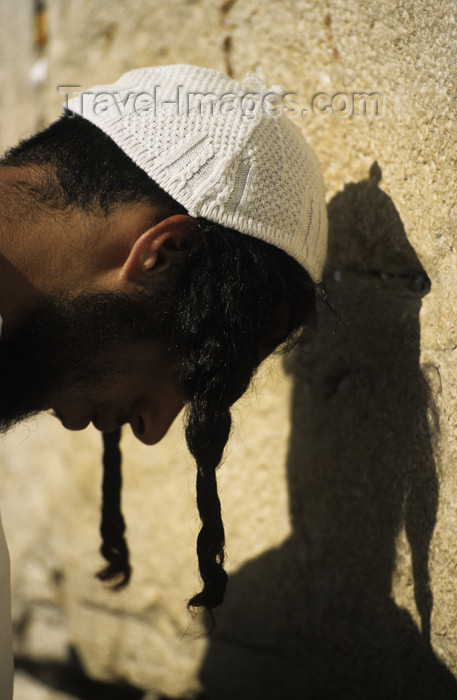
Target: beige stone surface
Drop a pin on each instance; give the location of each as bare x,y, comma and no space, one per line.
17,58
28,688
339,487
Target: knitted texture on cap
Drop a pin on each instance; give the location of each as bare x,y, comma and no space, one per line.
220,148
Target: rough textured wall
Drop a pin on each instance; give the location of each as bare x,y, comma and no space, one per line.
338,487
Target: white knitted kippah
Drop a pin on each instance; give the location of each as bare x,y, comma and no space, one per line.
224,150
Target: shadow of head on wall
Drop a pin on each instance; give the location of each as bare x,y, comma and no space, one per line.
317,613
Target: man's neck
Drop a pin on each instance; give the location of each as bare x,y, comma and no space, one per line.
35,243
52,251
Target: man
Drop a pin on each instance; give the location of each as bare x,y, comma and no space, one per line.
157,243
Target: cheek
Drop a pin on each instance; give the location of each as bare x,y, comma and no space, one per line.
139,388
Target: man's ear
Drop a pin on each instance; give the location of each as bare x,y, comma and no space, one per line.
162,245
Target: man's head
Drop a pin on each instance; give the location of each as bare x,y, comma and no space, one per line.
179,310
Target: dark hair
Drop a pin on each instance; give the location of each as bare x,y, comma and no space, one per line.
235,300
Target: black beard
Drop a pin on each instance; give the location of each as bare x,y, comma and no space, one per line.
70,341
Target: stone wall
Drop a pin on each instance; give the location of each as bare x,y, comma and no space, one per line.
338,487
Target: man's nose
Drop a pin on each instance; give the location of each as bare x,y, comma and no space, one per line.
150,421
